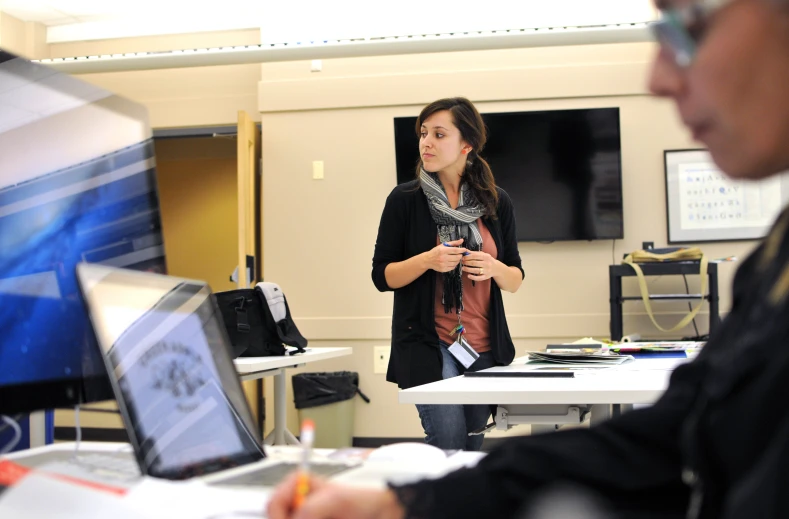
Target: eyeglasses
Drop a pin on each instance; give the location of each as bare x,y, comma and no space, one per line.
680,29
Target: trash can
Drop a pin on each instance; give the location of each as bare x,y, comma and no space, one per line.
327,400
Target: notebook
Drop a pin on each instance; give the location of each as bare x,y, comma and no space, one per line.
170,365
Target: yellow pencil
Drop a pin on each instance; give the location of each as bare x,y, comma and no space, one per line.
303,481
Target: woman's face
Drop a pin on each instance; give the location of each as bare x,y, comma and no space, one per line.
734,96
440,145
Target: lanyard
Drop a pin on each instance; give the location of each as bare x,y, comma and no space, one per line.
459,330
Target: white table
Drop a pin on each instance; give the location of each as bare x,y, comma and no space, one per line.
545,402
253,368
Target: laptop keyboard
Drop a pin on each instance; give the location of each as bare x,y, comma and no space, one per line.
116,468
274,474
121,467
105,463
122,462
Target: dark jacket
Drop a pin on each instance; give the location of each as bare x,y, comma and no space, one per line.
407,229
717,441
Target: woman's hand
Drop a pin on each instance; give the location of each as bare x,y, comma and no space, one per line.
444,257
479,265
332,501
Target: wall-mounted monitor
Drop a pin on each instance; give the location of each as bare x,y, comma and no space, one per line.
562,169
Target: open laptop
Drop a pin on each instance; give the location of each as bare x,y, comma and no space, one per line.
169,361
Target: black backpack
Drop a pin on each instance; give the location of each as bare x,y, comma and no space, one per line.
258,321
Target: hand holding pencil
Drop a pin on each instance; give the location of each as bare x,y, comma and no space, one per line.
304,496
327,500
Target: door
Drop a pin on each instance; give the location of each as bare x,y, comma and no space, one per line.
250,227
250,263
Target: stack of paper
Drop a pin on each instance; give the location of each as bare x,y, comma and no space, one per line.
594,357
657,347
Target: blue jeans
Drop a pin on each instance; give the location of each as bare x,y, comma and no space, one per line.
447,426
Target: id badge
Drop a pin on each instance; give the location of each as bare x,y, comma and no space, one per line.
463,352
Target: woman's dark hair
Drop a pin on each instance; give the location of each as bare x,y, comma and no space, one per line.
472,129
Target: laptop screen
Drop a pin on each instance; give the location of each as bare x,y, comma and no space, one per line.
168,357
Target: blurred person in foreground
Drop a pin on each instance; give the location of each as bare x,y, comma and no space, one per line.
716,445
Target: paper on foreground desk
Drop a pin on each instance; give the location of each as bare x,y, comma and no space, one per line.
150,498
39,495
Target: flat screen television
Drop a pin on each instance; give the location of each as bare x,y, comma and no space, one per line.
77,183
562,169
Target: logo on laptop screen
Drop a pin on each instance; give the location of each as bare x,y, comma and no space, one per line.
177,370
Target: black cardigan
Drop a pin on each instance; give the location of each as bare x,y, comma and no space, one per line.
407,229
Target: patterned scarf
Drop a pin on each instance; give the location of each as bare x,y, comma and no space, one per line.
453,224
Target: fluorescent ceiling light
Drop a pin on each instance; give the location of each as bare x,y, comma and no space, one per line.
410,44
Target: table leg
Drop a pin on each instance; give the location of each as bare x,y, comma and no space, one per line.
261,407
38,429
280,435
538,428
280,409
290,439
599,413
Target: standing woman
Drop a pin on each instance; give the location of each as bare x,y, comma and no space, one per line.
447,248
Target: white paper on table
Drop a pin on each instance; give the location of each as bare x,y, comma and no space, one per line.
157,498
39,495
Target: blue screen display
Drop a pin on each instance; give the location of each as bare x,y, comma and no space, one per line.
77,183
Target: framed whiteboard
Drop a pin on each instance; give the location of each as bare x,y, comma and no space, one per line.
703,205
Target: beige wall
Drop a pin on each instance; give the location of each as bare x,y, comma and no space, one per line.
26,39
320,247
188,97
199,96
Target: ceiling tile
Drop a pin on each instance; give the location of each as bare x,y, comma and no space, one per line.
29,11
62,21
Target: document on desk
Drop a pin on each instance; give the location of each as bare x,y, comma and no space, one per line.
38,494
69,497
529,370
161,499
678,349
578,357
656,347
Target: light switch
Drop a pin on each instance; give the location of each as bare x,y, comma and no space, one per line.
317,169
316,65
